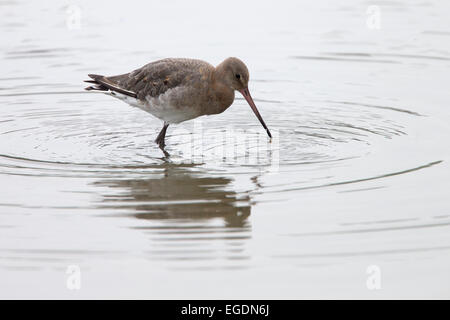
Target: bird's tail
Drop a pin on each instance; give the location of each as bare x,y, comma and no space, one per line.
97,86
104,84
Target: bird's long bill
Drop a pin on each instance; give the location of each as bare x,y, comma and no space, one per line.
249,99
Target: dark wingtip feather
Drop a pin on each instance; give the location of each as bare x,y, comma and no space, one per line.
95,76
101,83
97,87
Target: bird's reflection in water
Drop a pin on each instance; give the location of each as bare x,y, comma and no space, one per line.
188,214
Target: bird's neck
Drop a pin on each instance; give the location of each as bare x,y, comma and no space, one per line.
220,73
222,90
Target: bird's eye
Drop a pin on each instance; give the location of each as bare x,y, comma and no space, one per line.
238,76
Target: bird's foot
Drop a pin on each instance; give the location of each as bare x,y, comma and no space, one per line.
164,151
160,139
166,154
161,143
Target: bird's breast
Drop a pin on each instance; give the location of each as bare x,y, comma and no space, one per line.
189,101
219,100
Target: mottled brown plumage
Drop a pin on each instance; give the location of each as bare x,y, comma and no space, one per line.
157,77
176,90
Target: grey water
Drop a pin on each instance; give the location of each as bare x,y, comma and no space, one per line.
349,200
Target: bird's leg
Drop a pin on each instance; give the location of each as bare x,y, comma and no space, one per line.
161,137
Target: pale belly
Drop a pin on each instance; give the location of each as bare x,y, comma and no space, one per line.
163,107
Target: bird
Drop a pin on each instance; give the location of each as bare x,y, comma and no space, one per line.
179,89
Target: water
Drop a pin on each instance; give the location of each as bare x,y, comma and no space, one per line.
355,180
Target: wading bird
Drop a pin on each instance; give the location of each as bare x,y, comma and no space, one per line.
176,90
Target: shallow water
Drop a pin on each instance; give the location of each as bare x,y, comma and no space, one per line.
357,174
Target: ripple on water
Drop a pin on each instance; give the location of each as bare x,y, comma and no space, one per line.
78,133
189,205
363,57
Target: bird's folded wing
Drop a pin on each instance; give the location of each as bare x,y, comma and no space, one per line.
102,83
152,79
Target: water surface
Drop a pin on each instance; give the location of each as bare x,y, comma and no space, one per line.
357,174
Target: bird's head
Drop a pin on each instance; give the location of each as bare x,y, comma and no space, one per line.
234,74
